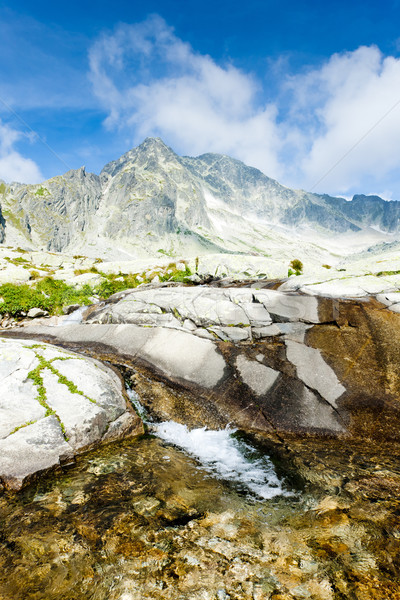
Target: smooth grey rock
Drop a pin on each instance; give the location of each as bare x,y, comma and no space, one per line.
185,356
389,298
23,409
314,371
205,311
17,400
33,313
100,384
290,307
257,314
131,304
232,334
122,426
86,397
240,295
263,332
231,314
176,352
258,377
204,333
314,414
32,449
14,275
83,420
153,319
293,331
189,325
67,310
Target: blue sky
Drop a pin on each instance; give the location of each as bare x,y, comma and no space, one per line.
307,91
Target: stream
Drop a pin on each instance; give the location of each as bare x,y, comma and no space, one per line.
191,515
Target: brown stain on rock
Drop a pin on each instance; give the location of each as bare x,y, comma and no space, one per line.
363,348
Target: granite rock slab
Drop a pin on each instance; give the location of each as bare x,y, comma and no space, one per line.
54,404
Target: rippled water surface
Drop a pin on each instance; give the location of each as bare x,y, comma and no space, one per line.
143,519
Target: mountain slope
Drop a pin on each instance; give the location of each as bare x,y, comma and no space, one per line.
151,200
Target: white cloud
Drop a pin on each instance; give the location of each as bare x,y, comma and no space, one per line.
13,166
354,129
327,125
156,84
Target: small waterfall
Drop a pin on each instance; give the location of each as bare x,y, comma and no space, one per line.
220,453
75,317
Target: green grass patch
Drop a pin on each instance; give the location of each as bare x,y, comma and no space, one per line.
178,275
22,426
42,191
19,260
36,376
51,294
387,273
114,283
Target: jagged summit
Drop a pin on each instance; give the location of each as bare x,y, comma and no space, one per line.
152,200
151,149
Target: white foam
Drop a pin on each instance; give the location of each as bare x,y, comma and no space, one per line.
224,455
75,317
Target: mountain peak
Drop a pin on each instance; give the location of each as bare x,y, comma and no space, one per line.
153,141
155,144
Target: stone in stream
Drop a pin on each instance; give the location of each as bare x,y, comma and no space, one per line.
54,404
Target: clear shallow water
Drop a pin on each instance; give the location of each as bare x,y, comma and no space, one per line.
219,453
144,519
141,520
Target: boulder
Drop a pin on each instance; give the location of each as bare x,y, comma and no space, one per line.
13,274
67,310
33,313
53,404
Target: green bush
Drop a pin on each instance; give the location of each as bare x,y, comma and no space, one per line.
48,294
176,275
295,267
113,284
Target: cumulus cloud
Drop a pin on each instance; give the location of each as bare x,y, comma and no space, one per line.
13,166
334,127
352,109
153,82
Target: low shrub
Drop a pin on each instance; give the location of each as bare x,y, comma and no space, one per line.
295,267
115,283
48,294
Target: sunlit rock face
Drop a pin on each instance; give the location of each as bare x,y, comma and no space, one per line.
153,200
278,364
54,404
52,215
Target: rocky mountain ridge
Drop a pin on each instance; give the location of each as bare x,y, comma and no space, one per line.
151,200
